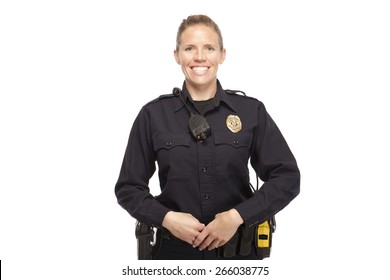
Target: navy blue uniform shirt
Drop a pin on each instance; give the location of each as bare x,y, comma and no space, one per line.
209,177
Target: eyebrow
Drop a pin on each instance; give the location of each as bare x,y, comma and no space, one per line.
205,45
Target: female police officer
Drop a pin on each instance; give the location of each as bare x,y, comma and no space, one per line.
203,164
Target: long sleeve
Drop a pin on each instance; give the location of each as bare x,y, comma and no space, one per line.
276,166
131,189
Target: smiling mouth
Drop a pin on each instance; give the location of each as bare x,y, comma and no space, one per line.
200,69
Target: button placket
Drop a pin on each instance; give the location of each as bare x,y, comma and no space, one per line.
206,179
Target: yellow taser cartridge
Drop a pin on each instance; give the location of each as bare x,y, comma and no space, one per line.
263,235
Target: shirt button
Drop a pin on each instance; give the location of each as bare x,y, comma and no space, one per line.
169,144
206,196
204,169
235,142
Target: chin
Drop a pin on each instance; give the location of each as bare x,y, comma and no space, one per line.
201,81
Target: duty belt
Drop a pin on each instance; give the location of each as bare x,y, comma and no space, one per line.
241,244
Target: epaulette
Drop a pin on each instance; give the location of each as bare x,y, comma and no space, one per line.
161,97
166,96
230,91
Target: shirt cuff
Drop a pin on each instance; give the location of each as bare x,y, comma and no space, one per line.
157,214
249,211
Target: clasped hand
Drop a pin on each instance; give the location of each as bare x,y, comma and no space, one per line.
219,231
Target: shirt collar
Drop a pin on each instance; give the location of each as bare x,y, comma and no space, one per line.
219,96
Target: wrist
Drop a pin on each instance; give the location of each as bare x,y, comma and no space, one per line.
236,217
167,218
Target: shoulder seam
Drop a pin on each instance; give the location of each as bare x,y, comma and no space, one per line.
243,94
163,96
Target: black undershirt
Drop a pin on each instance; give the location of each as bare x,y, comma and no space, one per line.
204,105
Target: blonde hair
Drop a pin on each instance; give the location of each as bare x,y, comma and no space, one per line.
195,20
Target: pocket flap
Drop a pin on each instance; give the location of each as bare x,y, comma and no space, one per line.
237,140
170,140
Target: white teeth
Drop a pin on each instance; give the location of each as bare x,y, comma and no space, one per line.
199,68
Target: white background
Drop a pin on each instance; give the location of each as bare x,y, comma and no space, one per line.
74,74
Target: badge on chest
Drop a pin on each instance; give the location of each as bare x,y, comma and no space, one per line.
234,124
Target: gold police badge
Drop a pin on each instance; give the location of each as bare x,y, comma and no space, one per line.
233,122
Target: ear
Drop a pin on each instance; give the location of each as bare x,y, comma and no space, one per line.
223,56
176,55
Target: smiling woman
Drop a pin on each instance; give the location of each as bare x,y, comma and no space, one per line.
206,200
199,51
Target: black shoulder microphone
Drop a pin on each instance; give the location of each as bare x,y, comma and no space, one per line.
198,125
176,91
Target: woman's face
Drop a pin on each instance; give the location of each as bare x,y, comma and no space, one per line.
199,55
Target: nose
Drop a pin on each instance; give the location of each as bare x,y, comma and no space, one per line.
200,55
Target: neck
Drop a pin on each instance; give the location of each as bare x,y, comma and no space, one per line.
199,93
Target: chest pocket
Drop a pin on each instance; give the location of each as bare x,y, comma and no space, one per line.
173,154
232,152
